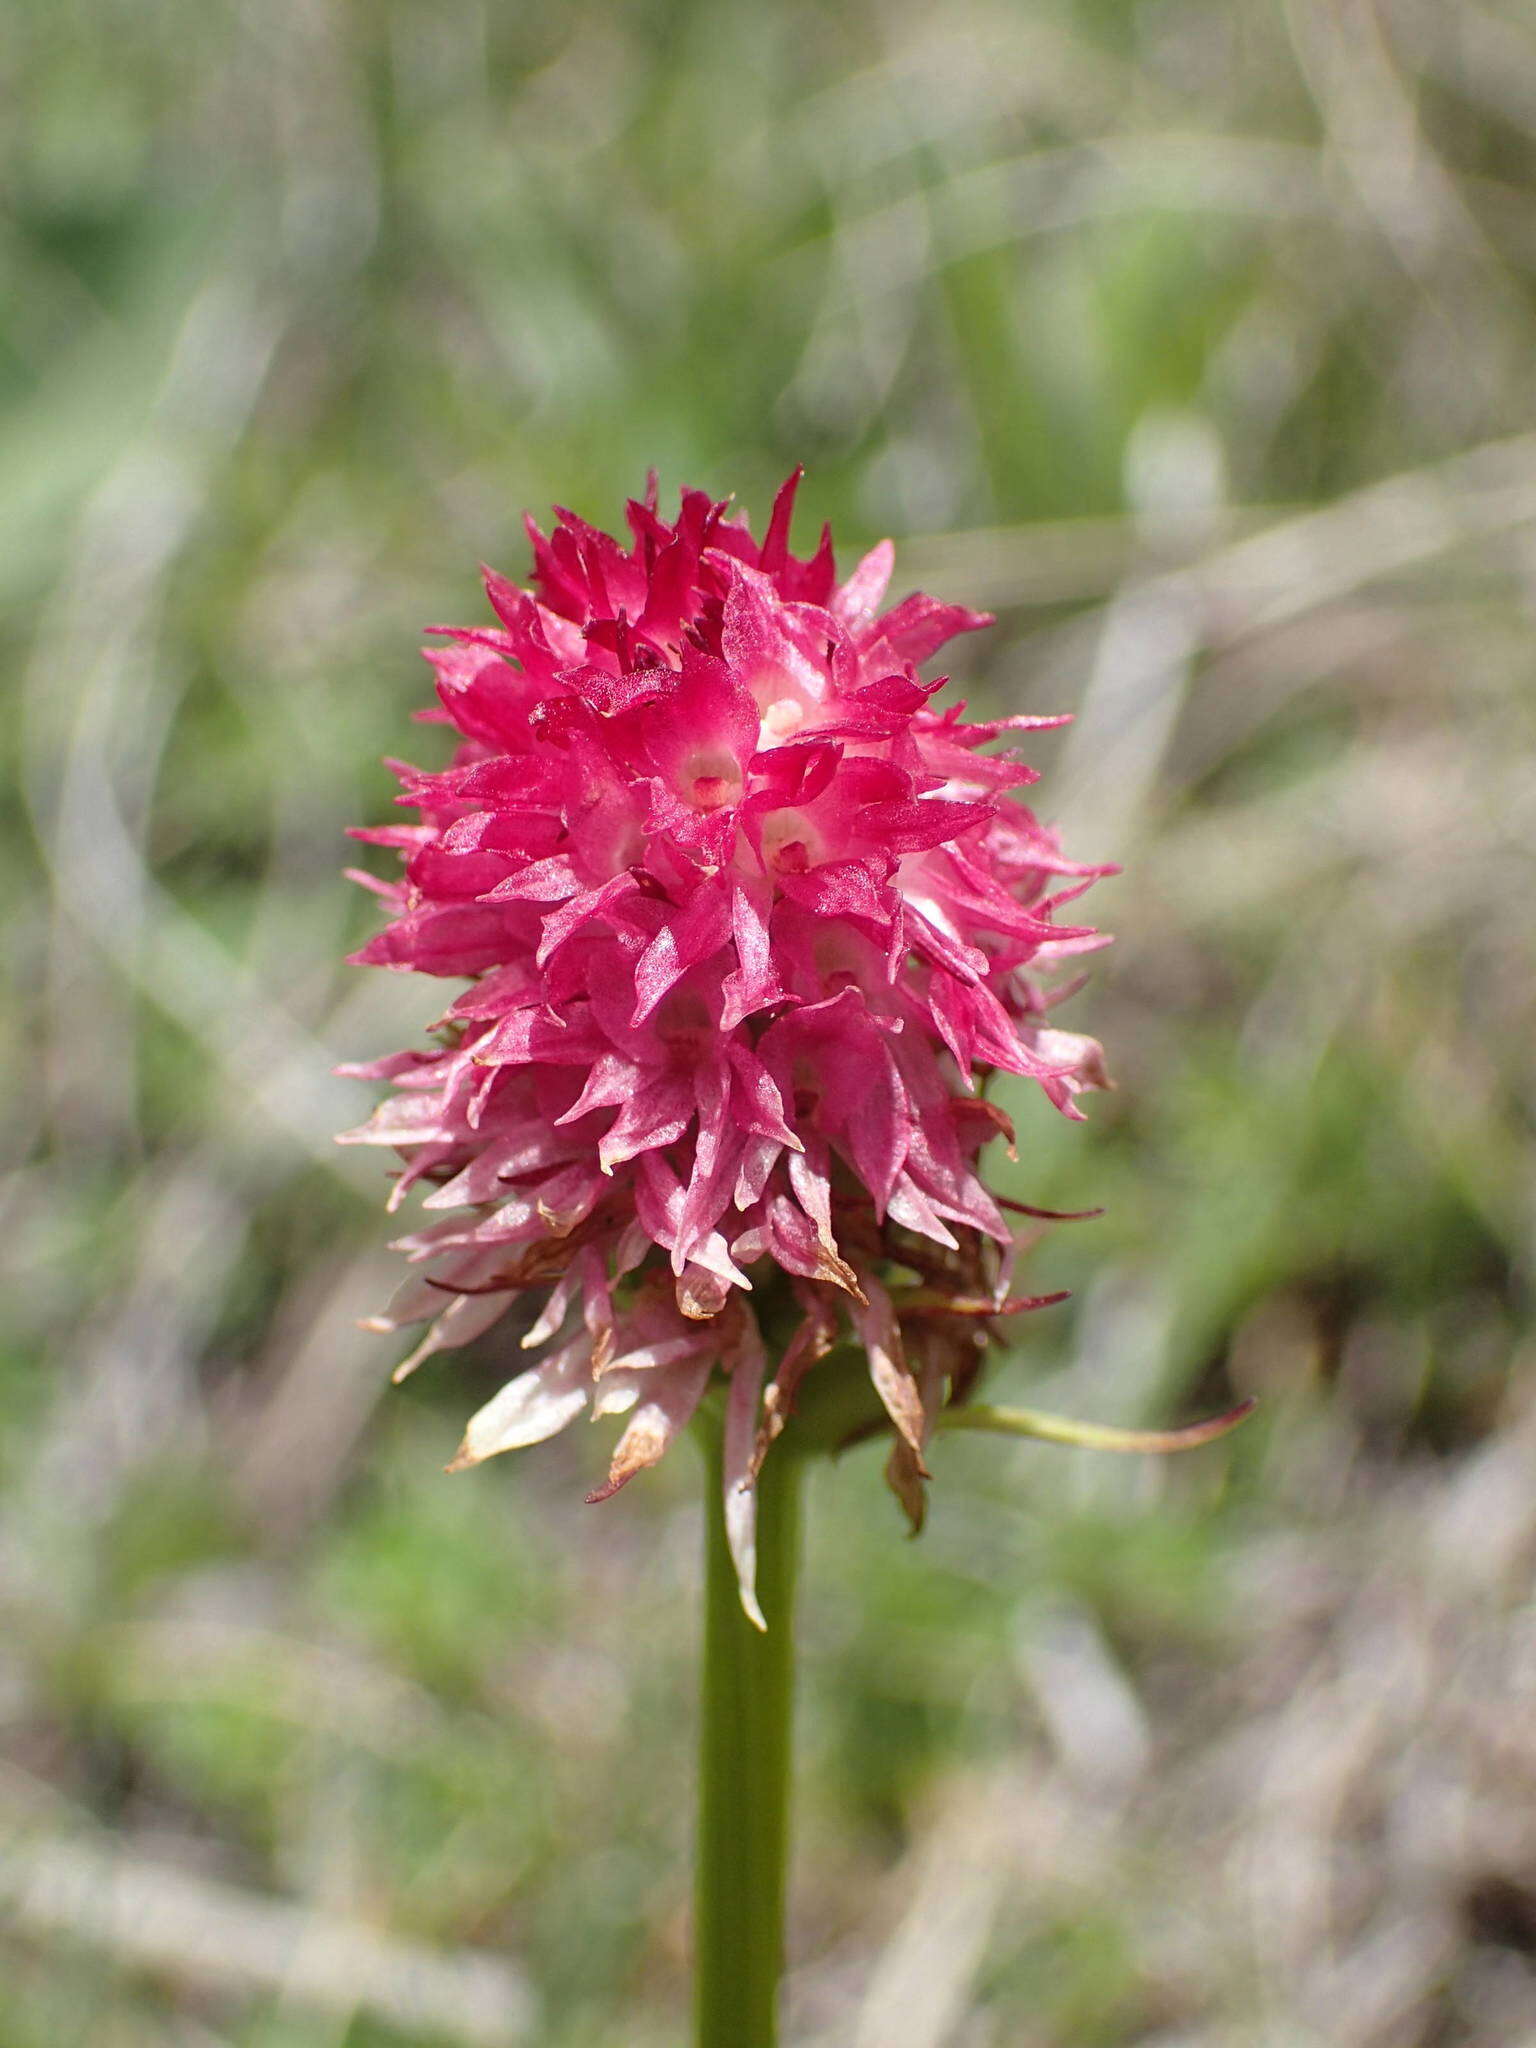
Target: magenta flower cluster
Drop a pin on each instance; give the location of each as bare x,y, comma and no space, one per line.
746,921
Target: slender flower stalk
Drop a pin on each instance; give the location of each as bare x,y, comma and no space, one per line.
745,1729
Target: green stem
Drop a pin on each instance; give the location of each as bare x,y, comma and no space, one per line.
748,1686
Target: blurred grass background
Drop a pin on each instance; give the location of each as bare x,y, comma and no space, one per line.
1198,340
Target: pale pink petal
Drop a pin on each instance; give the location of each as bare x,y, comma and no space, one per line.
466,1317
667,1407
740,1506
536,1405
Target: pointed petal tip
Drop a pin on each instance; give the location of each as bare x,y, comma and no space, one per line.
1021,1304
1048,1215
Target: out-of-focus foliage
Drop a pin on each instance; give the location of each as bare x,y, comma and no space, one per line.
1198,339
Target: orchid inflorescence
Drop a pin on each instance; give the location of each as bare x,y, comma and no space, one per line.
747,922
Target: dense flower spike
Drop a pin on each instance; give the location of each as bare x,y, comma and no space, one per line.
746,920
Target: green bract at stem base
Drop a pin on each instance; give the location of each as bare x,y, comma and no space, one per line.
1092,1436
